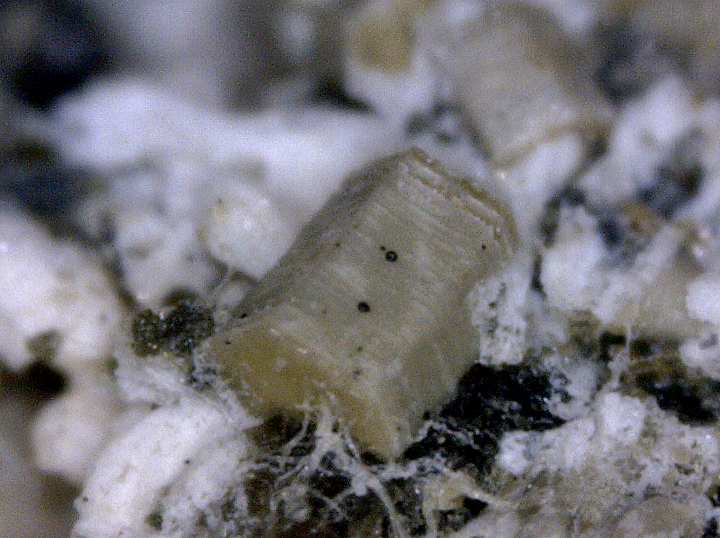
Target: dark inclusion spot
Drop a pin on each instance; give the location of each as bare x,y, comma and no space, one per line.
608,345
457,518
692,401
622,70
155,520
178,331
331,504
44,345
610,231
566,197
35,177
675,185
685,401
711,529
363,307
677,180
407,499
277,431
642,348
535,282
446,123
331,92
391,256
202,377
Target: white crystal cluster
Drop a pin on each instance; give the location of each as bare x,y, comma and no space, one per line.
189,187
194,195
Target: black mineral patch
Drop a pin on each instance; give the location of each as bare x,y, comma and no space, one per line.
678,180
178,331
155,520
566,197
330,92
684,400
319,503
627,230
608,345
202,376
44,345
447,124
274,434
658,371
628,64
328,481
407,499
488,403
456,519
34,177
36,383
674,187
711,529
582,331
293,491
535,281
611,232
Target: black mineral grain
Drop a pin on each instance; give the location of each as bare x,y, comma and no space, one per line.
178,331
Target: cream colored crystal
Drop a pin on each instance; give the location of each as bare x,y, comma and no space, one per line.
521,80
367,311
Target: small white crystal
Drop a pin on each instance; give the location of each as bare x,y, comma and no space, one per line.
570,276
244,229
703,298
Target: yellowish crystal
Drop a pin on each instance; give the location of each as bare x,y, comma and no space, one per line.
366,312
